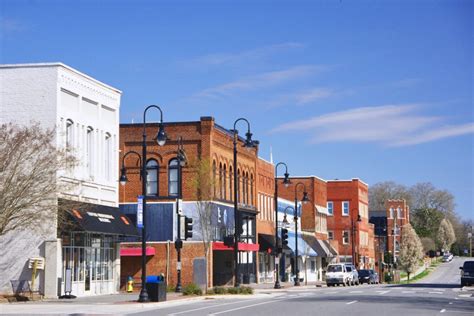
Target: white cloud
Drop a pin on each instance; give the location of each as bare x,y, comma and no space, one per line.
259,81
390,125
228,58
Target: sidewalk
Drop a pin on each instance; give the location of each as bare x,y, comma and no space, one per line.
285,286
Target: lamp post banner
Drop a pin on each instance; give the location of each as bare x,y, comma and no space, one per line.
140,211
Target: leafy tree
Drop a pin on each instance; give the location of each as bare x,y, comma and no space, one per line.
426,221
29,164
411,251
428,244
445,236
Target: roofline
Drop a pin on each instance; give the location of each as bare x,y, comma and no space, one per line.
350,180
263,159
59,64
304,177
156,123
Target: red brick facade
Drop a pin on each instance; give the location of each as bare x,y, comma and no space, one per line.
397,212
349,199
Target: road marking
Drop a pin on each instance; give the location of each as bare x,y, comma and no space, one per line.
351,302
382,292
238,308
464,295
442,311
409,292
205,307
435,292
450,303
355,291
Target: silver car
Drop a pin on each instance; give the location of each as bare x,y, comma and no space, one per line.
353,271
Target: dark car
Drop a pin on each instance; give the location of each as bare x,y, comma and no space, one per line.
467,273
367,276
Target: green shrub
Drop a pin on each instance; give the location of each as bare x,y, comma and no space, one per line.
387,277
192,289
170,288
246,290
219,290
233,290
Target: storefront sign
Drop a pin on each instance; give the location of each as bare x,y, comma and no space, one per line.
140,211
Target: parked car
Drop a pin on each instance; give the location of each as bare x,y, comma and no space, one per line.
355,276
337,273
367,276
467,273
447,257
376,276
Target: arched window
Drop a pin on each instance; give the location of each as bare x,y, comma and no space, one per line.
247,199
173,177
90,150
397,246
251,189
152,177
221,192
107,156
238,187
224,182
214,177
231,183
69,134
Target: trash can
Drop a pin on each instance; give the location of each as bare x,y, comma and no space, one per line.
156,288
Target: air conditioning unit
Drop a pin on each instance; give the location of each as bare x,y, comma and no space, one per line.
39,263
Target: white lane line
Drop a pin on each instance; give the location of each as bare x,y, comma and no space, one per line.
356,292
450,303
351,302
409,292
382,292
205,307
442,311
238,308
435,292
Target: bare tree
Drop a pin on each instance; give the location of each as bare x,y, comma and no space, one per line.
29,162
445,236
411,251
382,191
203,187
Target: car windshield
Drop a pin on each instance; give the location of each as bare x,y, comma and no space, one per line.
348,268
468,266
364,273
334,268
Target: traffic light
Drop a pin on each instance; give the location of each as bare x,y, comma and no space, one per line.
284,236
188,227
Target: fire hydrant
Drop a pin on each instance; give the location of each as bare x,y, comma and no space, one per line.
130,284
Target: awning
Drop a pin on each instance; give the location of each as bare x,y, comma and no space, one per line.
242,246
100,219
136,252
303,248
266,242
331,248
318,245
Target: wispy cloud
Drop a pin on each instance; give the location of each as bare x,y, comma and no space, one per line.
8,25
231,58
260,81
390,125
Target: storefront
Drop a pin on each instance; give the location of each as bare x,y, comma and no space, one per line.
91,250
266,261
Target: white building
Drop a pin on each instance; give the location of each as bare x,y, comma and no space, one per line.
85,114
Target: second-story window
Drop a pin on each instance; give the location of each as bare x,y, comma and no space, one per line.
345,237
345,208
330,235
330,208
391,212
90,150
173,177
152,177
69,134
399,212
108,156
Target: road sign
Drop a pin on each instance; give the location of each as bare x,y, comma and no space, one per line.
140,211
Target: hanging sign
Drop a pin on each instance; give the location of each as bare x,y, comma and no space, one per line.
140,211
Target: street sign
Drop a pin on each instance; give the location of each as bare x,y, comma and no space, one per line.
140,211
178,265
180,207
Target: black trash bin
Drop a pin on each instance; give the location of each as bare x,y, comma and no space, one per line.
156,288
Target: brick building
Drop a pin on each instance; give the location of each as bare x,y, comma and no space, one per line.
313,218
398,215
348,222
205,144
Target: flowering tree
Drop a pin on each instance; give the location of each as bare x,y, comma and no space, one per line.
445,235
411,251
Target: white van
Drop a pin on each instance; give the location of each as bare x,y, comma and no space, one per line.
337,273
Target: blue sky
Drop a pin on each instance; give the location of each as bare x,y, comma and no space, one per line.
380,90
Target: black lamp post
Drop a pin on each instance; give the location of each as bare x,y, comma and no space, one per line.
353,239
305,200
181,157
161,140
286,182
249,143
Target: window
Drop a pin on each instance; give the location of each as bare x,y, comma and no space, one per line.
224,183
231,184
345,237
89,150
399,212
391,212
107,156
251,189
238,187
330,235
69,134
397,246
313,266
152,177
173,177
345,208
214,177
330,206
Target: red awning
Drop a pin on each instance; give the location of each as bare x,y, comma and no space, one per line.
136,252
242,246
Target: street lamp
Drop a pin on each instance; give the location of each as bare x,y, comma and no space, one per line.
248,143
286,182
161,140
181,157
305,200
354,259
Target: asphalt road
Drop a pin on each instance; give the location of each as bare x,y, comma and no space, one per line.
439,293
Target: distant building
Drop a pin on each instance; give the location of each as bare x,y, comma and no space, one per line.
85,114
